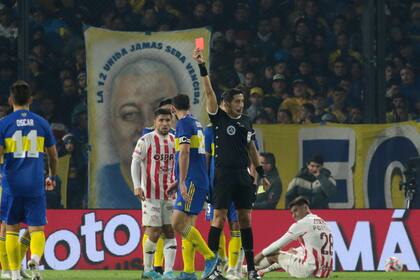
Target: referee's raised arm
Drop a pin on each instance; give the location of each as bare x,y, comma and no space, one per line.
212,105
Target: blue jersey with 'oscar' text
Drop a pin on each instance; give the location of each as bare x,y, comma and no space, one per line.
24,136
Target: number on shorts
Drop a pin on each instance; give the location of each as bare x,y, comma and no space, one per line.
327,243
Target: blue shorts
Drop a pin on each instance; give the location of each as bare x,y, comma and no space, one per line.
232,215
197,203
3,206
29,210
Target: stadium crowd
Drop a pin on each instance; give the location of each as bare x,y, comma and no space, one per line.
298,61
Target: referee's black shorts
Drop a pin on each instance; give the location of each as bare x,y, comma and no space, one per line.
233,185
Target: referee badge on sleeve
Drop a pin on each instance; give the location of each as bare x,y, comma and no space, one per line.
249,136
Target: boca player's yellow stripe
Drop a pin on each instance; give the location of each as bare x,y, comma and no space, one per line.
212,149
191,192
194,142
11,145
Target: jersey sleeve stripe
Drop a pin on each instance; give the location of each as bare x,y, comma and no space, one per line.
149,165
165,174
157,168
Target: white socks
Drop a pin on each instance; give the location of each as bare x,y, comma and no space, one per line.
148,254
169,251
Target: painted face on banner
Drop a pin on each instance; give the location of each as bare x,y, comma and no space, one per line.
134,99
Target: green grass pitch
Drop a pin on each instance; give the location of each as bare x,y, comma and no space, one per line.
135,275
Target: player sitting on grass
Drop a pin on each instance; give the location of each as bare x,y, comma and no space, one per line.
313,257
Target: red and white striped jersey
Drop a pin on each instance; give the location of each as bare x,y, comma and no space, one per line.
157,155
315,236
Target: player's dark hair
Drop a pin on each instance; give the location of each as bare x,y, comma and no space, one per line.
181,102
20,93
317,158
161,111
229,94
270,158
165,101
298,201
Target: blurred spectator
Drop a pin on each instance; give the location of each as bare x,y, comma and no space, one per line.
7,77
284,117
279,89
264,40
315,20
340,71
263,118
217,16
294,103
355,115
399,111
313,182
320,104
307,114
338,106
269,198
239,64
76,182
200,15
410,85
68,100
343,51
255,98
4,109
8,25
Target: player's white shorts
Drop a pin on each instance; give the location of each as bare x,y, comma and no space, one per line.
157,212
294,264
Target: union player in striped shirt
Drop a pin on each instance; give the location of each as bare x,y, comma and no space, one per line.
315,255
154,160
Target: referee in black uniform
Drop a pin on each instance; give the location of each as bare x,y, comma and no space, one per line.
234,149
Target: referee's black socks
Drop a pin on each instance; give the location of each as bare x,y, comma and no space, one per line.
214,238
248,245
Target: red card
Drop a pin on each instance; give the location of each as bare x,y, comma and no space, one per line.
199,43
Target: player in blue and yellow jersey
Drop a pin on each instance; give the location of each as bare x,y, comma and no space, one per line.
235,234
193,187
24,136
24,240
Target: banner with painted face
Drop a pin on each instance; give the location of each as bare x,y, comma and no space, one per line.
129,73
367,161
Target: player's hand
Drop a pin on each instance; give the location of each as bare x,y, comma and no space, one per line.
139,193
50,183
171,191
184,192
266,183
198,56
258,258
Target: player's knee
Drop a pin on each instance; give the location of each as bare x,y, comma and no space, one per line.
219,219
168,232
153,234
234,225
177,225
244,218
